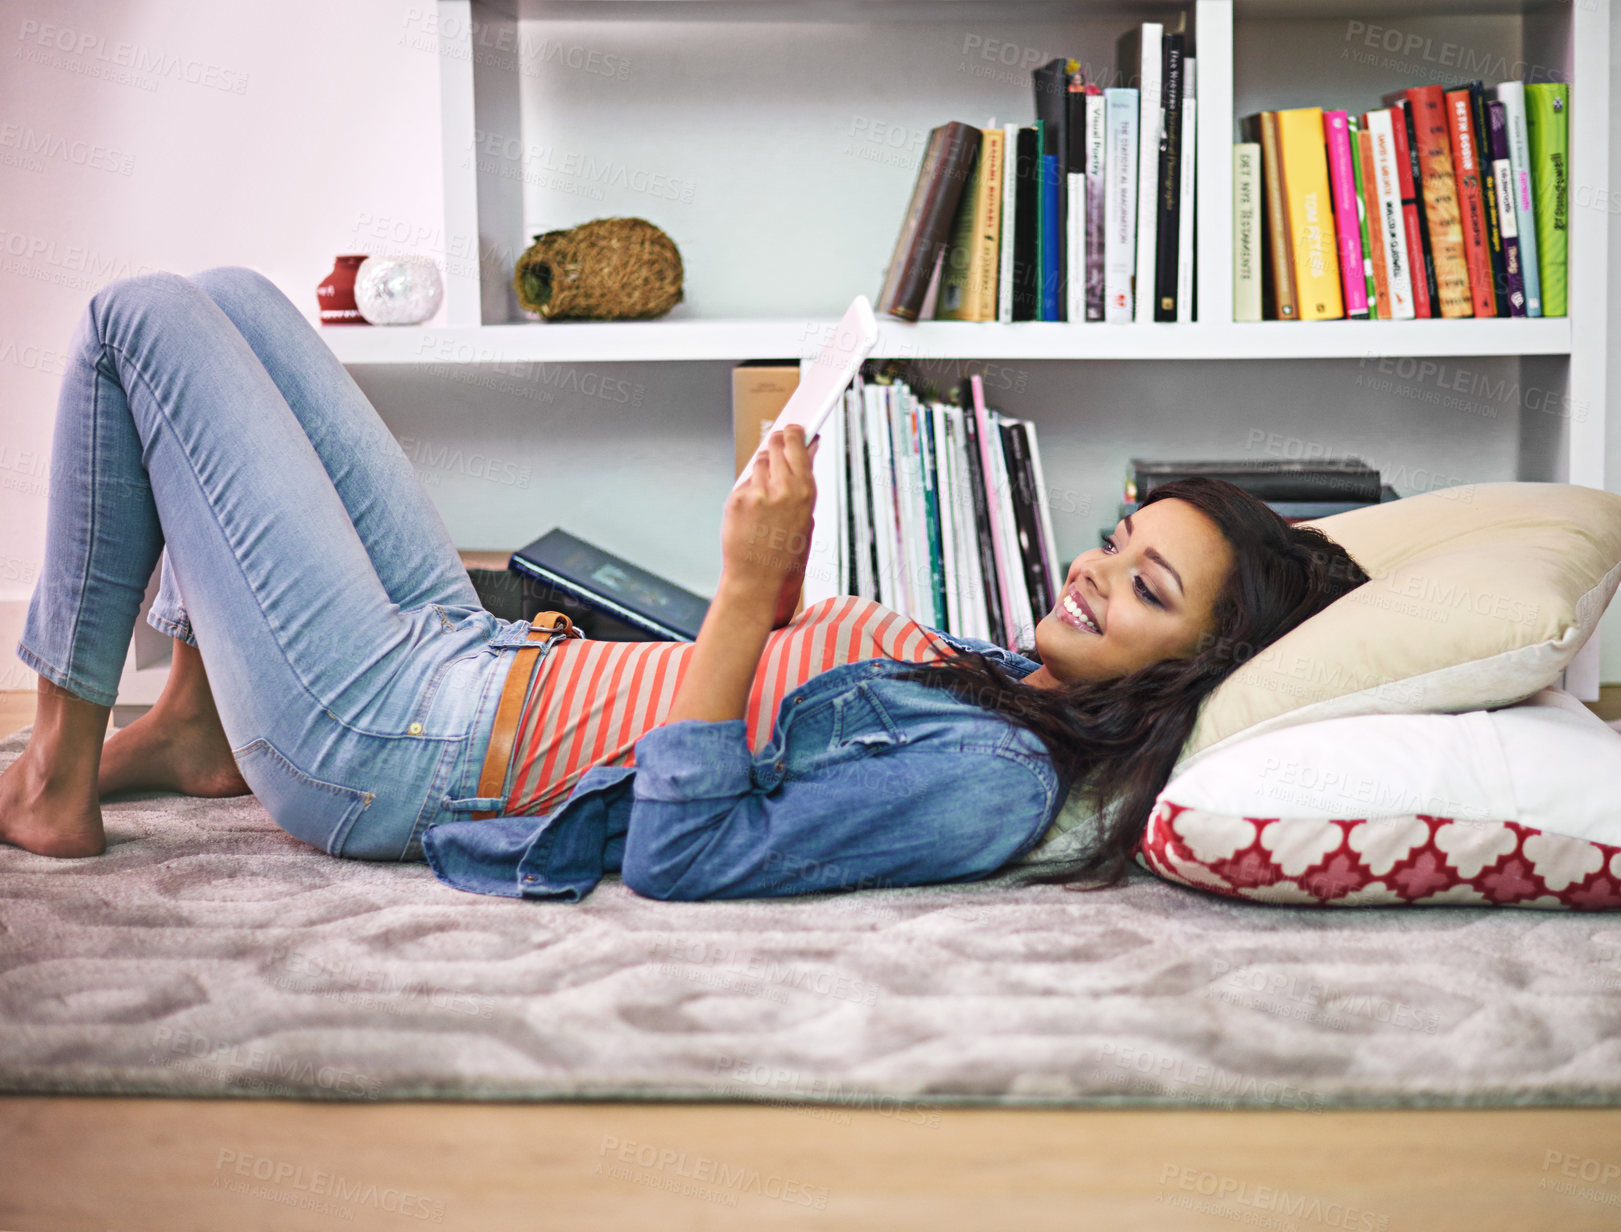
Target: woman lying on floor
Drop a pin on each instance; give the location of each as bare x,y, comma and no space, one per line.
354,683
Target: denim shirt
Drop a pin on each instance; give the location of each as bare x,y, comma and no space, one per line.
866,780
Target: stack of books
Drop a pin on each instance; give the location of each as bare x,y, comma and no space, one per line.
1085,215
1446,202
1296,490
940,512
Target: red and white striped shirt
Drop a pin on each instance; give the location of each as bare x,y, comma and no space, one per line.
590,701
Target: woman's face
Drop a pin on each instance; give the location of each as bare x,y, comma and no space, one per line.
1149,591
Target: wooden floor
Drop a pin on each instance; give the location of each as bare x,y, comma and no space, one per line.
69,1163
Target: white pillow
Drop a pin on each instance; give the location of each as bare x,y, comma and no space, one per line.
1548,762
1512,806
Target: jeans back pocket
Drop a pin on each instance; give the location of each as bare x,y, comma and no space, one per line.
310,809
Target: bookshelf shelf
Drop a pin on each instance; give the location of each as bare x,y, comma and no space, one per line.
777,143
664,341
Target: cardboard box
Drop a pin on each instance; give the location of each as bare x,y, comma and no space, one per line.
759,392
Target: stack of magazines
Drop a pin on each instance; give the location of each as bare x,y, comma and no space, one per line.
1295,489
938,512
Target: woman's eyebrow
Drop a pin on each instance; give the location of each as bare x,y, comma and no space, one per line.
1153,555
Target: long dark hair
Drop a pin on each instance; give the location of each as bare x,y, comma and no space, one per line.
1119,739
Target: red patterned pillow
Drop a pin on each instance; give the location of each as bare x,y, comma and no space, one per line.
1413,859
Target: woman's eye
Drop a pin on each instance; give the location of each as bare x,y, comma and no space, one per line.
1107,541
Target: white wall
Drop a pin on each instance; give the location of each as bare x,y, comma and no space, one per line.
270,135
279,136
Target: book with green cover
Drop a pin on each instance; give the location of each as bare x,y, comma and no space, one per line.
1354,126
923,427
1547,124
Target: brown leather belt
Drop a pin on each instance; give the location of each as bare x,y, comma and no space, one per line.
545,626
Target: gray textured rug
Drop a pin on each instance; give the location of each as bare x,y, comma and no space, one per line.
208,953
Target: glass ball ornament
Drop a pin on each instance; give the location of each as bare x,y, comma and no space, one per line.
398,290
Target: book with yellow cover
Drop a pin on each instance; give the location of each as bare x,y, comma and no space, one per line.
968,278
1311,213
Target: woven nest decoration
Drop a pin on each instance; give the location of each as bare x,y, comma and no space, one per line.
609,269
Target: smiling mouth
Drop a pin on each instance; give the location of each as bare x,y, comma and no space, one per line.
1073,611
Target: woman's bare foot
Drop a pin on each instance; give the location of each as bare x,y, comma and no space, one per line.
178,745
171,752
48,797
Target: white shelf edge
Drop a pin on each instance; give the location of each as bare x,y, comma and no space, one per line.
663,341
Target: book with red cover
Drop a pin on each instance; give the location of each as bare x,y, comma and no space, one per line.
1488,196
1440,197
1472,202
948,162
1420,264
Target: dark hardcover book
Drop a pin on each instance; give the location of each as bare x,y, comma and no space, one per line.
948,164
1168,211
982,518
1512,289
612,585
923,428
1301,511
1026,202
1051,85
1026,517
1402,113
1343,479
1488,193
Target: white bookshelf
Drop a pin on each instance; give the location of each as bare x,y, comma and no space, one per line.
794,127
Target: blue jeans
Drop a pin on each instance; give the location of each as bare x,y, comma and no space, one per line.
355,672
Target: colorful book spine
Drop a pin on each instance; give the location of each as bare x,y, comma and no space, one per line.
1392,227
1052,237
968,277
1488,196
1441,208
1190,179
1348,236
922,423
1547,122
1075,201
1120,203
1004,276
1466,162
1376,234
1512,95
1140,56
973,399
1311,213
1503,178
1038,182
1003,548
1358,136
1247,231
1278,268
1097,180
1419,265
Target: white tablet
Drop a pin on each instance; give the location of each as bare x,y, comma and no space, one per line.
822,385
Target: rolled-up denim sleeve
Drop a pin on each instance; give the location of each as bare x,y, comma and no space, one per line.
706,823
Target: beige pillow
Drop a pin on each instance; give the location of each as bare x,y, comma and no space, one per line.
1479,597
